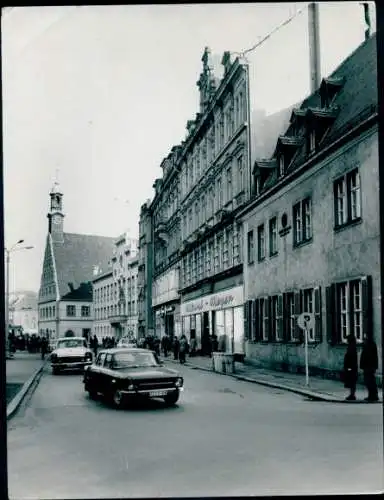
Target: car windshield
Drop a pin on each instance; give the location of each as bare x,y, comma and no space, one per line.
133,359
70,343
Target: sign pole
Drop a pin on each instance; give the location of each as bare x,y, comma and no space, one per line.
306,357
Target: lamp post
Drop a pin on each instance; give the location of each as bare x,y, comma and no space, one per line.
8,259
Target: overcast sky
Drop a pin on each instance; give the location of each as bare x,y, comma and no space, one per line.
102,93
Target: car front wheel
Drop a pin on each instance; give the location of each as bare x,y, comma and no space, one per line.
117,398
172,398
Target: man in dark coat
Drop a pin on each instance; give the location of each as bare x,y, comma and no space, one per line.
351,368
176,348
369,363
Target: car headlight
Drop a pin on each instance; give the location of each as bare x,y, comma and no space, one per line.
179,382
131,387
88,356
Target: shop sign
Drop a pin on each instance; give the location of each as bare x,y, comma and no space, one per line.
215,302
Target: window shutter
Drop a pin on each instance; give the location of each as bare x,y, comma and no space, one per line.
280,320
297,304
335,220
267,310
318,316
246,319
256,316
286,320
366,293
330,295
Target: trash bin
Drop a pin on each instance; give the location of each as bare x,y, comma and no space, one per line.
223,362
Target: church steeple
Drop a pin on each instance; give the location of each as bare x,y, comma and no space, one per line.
55,215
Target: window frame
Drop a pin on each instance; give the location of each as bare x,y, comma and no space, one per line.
261,232
344,193
250,247
273,236
71,307
302,221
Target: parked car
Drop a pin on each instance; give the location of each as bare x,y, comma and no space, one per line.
122,374
126,342
70,353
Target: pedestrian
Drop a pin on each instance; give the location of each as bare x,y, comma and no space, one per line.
176,348
95,345
183,348
156,345
165,345
350,372
193,344
369,364
44,347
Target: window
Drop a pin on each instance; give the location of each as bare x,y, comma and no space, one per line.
290,315
308,306
219,194
302,230
240,173
203,209
274,317
85,311
273,236
229,184
260,243
349,298
347,198
312,141
281,164
264,319
71,311
250,247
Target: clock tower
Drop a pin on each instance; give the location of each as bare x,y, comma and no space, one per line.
55,215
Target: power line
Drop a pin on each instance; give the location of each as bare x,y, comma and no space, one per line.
266,37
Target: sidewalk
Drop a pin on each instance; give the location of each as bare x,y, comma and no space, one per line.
319,389
21,372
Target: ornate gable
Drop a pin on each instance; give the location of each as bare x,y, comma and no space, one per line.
48,282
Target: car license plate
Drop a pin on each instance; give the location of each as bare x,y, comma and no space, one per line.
155,394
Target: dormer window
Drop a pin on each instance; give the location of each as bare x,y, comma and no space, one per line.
281,165
312,141
329,88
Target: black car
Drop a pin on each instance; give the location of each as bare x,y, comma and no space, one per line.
121,374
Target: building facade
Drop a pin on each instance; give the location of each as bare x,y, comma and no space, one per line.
23,311
311,232
65,294
165,213
115,293
145,273
103,305
215,184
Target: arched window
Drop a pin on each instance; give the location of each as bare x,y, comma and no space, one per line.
69,333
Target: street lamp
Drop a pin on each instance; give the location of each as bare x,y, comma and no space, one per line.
8,259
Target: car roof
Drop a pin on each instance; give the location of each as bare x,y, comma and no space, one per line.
114,350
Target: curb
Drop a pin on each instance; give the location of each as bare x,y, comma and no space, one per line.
16,401
314,396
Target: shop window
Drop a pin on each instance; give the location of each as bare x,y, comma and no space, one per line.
347,199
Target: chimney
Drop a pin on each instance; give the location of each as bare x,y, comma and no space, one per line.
367,18
314,46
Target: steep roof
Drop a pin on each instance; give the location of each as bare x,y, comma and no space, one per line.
357,97
76,257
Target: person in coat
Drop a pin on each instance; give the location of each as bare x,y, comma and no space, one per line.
165,345
351,368
176,348
369,362
183,349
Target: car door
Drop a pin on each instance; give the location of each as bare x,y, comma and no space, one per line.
107,374
97,372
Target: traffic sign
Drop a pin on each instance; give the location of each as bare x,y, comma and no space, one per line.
306,321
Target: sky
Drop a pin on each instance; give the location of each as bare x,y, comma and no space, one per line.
96,96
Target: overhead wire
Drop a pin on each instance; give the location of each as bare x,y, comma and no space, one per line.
261,40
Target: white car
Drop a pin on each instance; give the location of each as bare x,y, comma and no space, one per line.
125,342
70,353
